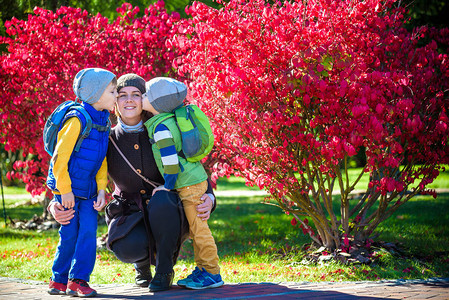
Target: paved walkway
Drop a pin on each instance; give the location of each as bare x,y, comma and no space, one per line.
398,289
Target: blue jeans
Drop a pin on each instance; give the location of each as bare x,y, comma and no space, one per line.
76,251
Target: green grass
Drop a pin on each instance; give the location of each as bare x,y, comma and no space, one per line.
13,190
421,225
234,183
442,181
256,242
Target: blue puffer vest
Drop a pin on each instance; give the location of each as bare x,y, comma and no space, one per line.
84,164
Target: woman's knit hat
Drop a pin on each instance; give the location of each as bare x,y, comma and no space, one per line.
89,84
131,79
165,94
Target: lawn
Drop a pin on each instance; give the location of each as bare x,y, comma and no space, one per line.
256,243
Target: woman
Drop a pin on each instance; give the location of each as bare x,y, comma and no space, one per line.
163,229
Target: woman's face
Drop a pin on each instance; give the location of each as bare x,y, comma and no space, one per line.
129,105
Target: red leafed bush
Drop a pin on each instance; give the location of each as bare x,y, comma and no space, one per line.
46,51
294,89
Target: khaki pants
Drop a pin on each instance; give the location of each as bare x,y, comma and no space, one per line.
204,247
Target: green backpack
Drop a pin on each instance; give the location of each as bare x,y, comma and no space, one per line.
196,133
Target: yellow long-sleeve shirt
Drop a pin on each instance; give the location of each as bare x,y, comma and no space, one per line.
67,138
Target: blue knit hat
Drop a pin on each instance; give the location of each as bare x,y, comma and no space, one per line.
165,94
89,84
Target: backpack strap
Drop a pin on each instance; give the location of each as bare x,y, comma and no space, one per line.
86,131
101,127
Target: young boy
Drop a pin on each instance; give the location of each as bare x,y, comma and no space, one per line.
78,180
189,179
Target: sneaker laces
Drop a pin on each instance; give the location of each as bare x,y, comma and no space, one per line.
80,282
204,276
194,273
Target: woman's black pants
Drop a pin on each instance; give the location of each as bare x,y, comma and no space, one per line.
165,224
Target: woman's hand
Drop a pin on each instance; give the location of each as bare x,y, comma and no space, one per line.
61,216
204,209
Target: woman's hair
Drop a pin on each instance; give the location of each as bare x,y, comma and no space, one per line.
146,115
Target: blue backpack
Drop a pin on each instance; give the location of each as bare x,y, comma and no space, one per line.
54,123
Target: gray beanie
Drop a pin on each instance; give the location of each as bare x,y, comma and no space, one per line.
89,84
165,94
131,79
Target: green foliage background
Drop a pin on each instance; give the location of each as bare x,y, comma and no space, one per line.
20,8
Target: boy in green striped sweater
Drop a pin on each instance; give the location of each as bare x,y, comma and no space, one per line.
189,179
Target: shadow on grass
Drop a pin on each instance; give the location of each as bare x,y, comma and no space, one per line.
23,212
244,224
18,234
421,225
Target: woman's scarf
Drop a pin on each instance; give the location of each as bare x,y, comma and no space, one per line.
131,128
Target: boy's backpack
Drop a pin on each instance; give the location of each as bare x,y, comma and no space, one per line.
196,133
53,125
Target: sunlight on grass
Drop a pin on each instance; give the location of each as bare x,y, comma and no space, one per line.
235,183
257,243
442,181
13,190
27,254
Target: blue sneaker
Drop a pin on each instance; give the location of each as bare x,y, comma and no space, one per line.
205,280
183,282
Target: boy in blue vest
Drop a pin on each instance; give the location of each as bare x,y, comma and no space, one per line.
78,180
189,179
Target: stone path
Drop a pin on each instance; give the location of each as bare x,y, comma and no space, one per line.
436,289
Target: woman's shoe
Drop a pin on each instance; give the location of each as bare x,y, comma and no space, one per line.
162,281
143,276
